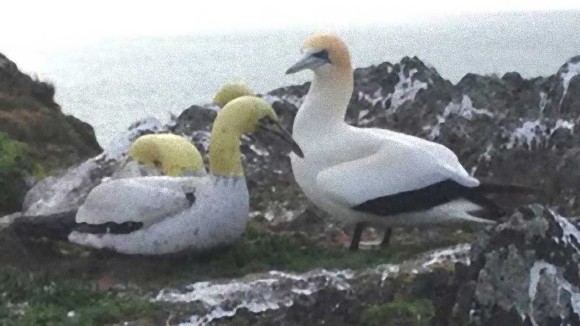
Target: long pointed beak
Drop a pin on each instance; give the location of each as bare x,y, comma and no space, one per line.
283,134
308,61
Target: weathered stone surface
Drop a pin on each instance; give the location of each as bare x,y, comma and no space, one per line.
336,297
29,114
524,270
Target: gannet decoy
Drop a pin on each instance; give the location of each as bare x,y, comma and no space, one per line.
373,175
172,154
160,214
230,92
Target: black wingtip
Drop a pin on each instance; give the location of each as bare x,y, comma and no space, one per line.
54,226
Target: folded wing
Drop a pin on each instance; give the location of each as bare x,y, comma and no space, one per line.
402,164
144,199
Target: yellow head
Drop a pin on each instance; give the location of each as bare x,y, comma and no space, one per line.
324,53
171,153
245,114
230,92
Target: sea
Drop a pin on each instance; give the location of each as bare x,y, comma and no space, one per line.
112,82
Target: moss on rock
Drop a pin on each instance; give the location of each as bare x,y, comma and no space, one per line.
30,301
15,165
399,312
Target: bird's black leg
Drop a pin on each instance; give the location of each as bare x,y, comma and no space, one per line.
358,229
386,238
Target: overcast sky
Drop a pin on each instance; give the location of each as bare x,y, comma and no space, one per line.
29,29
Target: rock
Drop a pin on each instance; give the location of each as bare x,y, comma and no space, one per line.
336,297
29,114
524,271
50,139
14,83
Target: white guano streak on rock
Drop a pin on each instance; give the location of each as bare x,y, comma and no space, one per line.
536,130
573,69
459,253
375,98
292,99
201,137
543,102
527,133
464,109
569,230
485,156
563,124
406,89
259,151
543,269
276,289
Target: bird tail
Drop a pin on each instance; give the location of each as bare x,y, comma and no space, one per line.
491,210
55,226
490,188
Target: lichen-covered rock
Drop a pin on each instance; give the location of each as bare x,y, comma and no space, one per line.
521,272
320,296
50,139
524,271
29,114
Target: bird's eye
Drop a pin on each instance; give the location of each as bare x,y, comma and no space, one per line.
321,55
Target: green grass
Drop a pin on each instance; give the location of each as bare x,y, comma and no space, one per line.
12,155
260,251
29,300
14,165
399,312
46,296
26,301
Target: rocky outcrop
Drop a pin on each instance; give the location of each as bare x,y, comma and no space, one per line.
507,129
30,116
525,271
522,272
18,85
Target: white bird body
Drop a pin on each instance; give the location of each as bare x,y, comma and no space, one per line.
371,175
171,223
378,163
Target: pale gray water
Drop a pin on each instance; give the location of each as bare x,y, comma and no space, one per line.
115,82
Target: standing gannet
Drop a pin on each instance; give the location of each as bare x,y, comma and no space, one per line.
371,175
172,154
160,215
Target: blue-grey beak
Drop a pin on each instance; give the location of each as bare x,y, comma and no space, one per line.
308,61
